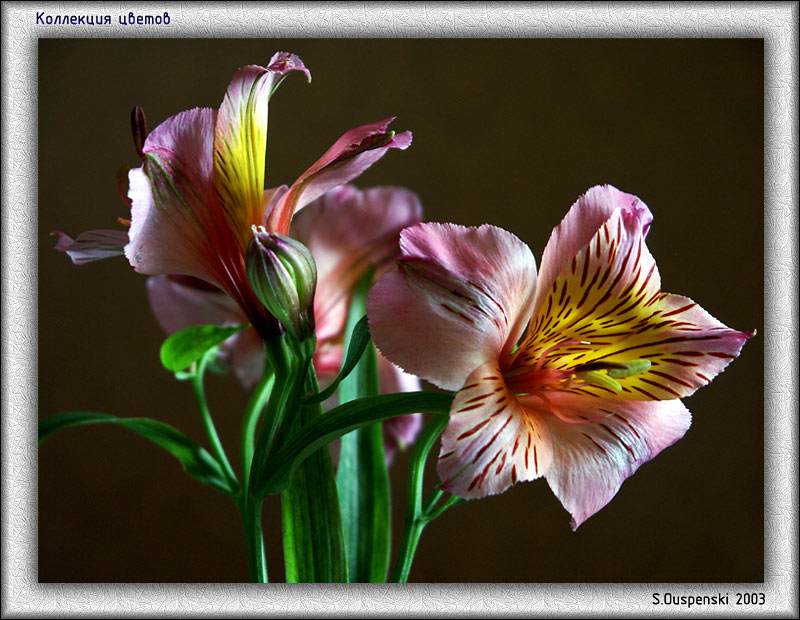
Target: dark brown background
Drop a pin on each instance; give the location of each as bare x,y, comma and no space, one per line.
505,131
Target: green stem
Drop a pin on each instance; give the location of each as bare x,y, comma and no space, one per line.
208,423
430,515
256,560
249,507
432,499
254,408
415,516
291,368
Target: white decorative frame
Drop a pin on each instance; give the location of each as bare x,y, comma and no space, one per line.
23,596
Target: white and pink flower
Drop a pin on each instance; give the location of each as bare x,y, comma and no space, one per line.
574,374
201,188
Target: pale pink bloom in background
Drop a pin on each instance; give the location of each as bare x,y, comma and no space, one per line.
574,374
201,187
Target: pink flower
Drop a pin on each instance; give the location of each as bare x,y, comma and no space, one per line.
201,187
575,374
347,230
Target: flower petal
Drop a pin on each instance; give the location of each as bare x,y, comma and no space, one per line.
401,431
92,245
347,231
609,298
240,142
349,156
491,441
247,356
593,459
462,295
179,302
579,226
176,223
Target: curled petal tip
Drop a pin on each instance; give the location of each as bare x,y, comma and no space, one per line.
63,240
402,140
283,62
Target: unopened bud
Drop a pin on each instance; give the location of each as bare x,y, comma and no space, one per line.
283,275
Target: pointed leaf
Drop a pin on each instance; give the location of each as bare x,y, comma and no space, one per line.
194,459
335,423
185,347
359,339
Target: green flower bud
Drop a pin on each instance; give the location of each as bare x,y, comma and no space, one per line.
283,275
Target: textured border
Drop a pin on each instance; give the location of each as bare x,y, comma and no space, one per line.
23,596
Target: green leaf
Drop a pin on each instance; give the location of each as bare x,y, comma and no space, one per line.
362,479
313,542
185,347
359,339
345,418
194,459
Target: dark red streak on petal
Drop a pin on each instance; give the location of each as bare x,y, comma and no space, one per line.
499,411
599,447
682,309
479,397
457,313
491,441
624,419
501,465
563,293
585,266
679,362
473,430
470,408
619,439
646,280
660,342
670,377
645,392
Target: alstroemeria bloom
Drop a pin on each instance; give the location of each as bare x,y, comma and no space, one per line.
575,374
200,188
347,231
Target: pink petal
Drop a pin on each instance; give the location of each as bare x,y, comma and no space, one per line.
328,356
349,156
240,142
176,222
347,231
491,441
92,245
591,460
578,227
247,356
460,296
401,431
178,303
609,297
